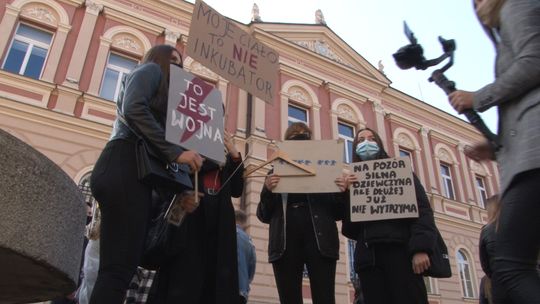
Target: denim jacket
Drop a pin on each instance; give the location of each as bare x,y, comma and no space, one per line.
246,261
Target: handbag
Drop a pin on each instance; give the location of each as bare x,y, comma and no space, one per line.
439,259
155,172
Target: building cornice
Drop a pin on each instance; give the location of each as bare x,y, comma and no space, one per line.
138,23
404,121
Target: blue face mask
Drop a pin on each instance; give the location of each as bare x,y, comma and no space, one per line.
367,150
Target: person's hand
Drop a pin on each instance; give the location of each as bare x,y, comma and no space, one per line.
480,152
342,183
420,262
188,202
461,100
271,182
192,158
229,144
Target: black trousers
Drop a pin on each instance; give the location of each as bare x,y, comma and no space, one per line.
301,248
391,279
125,208
515,275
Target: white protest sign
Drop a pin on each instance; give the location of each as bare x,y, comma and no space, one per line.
385,190
195,115
223,47
324,156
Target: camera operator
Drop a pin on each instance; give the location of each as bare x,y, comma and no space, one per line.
514,28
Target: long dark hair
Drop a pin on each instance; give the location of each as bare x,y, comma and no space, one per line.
161,55
382,153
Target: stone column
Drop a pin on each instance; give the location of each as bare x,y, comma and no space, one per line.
55,53
83,43
334,120
429,159
99,66
8,25
258,119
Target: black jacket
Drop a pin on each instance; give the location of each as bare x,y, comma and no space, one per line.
325,209
418,234
137,104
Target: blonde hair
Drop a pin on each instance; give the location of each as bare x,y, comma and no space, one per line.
489,12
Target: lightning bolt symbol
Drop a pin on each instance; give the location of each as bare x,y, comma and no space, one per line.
193,98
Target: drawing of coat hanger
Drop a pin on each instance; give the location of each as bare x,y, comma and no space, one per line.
280,155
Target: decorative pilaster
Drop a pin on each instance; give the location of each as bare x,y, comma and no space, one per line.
379,118
8,24
316,121
99,66
424,132
55,53
468,173
82,44
171,37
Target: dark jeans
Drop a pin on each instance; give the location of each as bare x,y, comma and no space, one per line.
125,207
301,248
391,279
515,273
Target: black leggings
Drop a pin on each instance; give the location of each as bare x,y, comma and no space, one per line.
125,207
302,249
515,275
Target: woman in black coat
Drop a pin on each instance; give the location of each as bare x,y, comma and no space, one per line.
302,231
124,200
202,264
391,255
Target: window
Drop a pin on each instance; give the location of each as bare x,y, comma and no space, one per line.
447,181
481,186
28,51
407,153
297,114
465,274
346,132
84,186
117,68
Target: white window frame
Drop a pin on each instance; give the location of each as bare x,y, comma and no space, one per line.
482,189
466,274
348,153
294,119
31,44
447,179
122,73
410,154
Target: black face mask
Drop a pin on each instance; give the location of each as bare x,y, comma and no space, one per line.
300,136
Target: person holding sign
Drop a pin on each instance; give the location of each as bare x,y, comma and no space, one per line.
202,267
125,201
514,28
391,255
302,231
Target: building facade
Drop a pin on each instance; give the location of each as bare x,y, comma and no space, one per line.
62,62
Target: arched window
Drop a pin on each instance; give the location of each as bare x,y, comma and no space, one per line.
465,274
84,186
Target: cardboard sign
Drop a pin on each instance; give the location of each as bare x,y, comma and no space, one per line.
226,49
324,156
385,190
195,115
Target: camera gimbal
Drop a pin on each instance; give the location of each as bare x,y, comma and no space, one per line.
412,55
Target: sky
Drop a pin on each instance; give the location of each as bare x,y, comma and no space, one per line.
374,29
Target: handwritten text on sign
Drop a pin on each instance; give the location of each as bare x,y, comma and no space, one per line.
226,49
385,190
195,115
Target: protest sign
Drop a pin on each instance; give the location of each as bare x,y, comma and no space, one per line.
226,49
195,115
324,156
385,190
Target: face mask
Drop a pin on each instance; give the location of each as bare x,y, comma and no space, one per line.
367,150
300,136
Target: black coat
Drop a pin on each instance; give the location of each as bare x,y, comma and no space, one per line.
203,265
325,209
419,234
487,247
